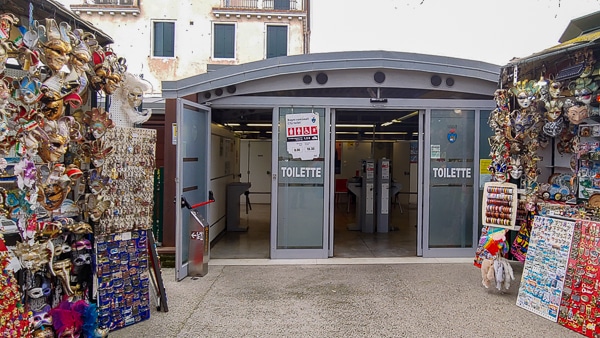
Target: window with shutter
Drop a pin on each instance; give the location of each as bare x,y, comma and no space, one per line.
164,39
277,41
224,41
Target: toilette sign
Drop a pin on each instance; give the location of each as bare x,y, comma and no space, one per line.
302,132
446,172
299,172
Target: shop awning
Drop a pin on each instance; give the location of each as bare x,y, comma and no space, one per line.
53,9
561,61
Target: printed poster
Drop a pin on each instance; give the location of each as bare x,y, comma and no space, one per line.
302,132
545,266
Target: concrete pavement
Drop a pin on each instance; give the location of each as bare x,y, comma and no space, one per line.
410,297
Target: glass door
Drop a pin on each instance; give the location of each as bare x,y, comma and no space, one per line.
449,174
193,144
300,183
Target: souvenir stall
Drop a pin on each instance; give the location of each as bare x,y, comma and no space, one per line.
76,184
543,205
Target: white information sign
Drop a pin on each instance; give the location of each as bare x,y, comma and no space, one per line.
435,151
302,131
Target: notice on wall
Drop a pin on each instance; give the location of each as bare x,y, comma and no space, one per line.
302,132
545,266
435,151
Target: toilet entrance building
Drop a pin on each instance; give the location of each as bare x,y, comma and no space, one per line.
306,105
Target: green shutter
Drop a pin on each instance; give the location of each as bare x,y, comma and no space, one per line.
224,41
164,39
276,41
158,34
169,39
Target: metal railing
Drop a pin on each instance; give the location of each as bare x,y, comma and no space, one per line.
261,4
113,2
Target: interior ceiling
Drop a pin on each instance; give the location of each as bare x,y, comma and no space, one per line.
403,129
406,123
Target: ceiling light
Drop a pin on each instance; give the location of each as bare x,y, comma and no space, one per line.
232,124
354,125
400,119
386,133
259,125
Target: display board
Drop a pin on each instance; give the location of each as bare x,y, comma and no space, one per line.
545,267
579,309
123,279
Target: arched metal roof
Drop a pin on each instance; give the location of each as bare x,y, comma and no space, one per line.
335,61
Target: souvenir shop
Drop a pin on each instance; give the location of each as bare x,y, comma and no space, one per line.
542,205
76,183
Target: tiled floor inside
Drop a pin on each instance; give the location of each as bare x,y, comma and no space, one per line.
254,243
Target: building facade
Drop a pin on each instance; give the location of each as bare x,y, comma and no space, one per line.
186,38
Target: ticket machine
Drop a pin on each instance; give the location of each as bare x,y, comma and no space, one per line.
368,193
383,194
374,191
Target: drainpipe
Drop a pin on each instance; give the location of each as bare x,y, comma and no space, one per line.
307,27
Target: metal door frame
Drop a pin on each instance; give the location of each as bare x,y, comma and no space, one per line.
300,253
181,264
424,182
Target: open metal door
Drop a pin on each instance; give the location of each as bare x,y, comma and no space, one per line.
192,181
300,183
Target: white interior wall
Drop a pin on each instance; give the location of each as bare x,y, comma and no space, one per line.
255,166
224,169
401,169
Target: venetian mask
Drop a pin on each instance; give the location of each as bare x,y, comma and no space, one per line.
32,256
56,136
583,95
62,270
56,53
577,113
524,92
524,99
53,189
98,122
4,93
515,168
45,332
553,109
96,151
42,318
553,128
555,89
134,97
27,90
58,45
53,105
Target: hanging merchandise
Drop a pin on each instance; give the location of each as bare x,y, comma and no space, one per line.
76,188
14,321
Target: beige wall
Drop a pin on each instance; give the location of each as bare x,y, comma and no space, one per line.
193,37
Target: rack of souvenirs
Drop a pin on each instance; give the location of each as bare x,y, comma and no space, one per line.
75,190
500,204
546,124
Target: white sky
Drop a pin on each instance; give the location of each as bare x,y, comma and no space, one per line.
493,31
